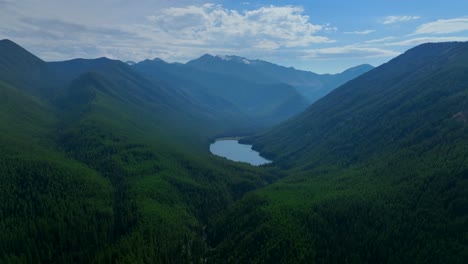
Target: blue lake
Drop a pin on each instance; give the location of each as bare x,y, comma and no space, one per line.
231,149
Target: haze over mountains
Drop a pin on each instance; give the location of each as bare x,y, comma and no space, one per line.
103,161
263,91
425,86
310,85
218,86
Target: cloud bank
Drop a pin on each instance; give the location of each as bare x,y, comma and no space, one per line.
268,27
444,26
350,51
185,29
363,32
397,19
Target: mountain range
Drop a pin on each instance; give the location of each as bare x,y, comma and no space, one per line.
310,85
103,161
264,92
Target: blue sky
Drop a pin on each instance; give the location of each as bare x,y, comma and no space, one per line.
321,36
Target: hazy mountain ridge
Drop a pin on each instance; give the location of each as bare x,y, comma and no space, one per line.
253,87
376,94
310,85
267,103
49,80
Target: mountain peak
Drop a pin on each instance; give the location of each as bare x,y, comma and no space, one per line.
7,42
233,58
100,61
10,43
207,58
9,48
159,60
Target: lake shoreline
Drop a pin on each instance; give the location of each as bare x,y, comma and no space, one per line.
231,149
228,138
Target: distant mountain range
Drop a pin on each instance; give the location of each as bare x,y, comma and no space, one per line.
231,86
310,85
103,80
261,90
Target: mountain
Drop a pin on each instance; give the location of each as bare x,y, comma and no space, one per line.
310,85
266,103
259,90
19,67
376,172
99,164
103,162
52,80
398,90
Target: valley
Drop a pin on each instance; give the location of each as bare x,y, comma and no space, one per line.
106,162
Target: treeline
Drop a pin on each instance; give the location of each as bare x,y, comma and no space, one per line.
52,212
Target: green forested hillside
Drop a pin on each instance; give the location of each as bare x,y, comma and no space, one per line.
400,103
100,164
377,172
107,167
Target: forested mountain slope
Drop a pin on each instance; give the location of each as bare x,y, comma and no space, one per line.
101,165
377,172
396,103
102,162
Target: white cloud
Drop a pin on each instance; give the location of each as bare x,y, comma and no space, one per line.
350,51
328,28
363,32
267,45
379,40
176,33
213,25
417,41
397,19
444,26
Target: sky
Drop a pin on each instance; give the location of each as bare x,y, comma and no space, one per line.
320,36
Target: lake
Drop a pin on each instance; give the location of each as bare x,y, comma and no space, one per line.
232,150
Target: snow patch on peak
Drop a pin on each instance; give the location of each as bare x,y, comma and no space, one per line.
234,59
226,58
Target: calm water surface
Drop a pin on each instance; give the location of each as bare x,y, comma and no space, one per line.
231,149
